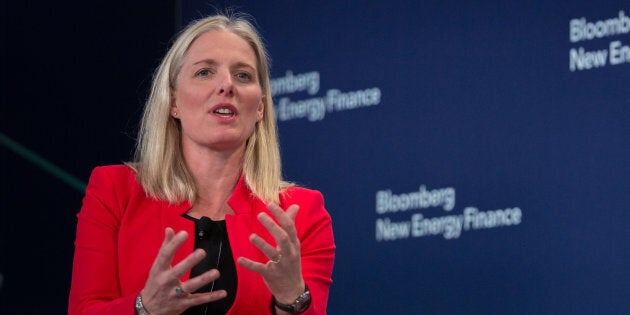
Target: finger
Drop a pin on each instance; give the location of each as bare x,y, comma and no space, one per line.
203,298
168,235
178,239
286,219
283,238
279,214
169,247
195,283
251,265
292,212
269,224
187,263
269,251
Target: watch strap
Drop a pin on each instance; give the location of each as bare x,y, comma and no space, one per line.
140,310
299,305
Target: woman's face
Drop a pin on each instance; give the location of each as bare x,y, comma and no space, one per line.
218,98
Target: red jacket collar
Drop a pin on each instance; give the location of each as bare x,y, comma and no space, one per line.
242,200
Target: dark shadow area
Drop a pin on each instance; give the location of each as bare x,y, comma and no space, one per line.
74,79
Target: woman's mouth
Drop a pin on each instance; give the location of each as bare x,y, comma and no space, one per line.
224,110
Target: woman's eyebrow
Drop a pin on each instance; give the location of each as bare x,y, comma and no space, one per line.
243,65
209,62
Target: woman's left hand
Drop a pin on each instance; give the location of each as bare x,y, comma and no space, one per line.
283,272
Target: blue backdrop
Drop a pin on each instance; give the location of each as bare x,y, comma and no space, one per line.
473,155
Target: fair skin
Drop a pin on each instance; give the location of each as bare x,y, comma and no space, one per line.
218,101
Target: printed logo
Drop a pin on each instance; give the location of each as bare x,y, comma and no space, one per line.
315,108
449,226
616,52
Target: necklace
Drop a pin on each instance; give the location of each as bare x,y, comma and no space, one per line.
206,225
217,266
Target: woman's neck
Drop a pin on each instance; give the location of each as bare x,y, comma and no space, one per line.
215,174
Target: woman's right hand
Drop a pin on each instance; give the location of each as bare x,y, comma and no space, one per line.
160,294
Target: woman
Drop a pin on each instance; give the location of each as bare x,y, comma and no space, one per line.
207,165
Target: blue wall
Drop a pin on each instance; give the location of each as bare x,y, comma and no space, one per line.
473,156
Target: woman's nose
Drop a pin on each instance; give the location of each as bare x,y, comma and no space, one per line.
226,85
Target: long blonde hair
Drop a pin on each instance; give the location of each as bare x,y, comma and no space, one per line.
159,161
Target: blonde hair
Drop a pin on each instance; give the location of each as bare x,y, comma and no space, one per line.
160,165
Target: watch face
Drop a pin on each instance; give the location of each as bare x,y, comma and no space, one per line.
299,305
302,303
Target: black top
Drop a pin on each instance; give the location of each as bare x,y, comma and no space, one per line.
212,237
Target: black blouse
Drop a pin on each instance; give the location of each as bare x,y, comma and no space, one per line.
212,237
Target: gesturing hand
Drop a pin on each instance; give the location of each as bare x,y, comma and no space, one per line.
163,292
283,272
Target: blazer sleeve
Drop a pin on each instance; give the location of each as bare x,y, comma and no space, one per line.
95,287
314,228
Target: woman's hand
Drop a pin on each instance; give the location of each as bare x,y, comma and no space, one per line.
163,292
283,272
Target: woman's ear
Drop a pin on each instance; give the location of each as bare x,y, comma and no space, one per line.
173,108
261,108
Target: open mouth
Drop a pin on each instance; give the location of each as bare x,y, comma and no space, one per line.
224,112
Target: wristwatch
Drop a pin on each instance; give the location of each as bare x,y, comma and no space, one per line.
299,305
139,307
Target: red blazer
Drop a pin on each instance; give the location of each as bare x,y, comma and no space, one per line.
120,231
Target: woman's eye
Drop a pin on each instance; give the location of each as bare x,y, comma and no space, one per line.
244,76
203,73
